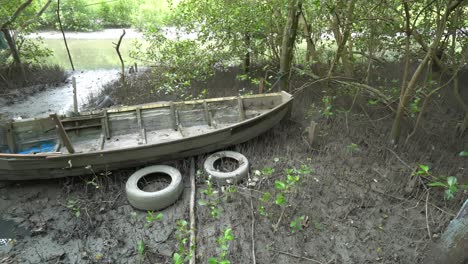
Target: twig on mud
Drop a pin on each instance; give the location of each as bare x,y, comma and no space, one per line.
402,161
192,211
275,227
427,218
300,257
253,229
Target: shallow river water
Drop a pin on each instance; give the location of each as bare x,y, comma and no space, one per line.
96,63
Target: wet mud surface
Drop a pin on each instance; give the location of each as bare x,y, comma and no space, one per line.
355,200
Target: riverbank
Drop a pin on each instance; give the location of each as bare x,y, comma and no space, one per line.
41,101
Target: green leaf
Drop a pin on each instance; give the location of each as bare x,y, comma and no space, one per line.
228,236
452,181
225,261
213,261
280,199
140,247
265,197
177,258
463,153
448,195
202,202
437,184
424,168
159,216
279,185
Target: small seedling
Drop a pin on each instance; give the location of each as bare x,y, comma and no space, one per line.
353,147
373,102
267,171
73,205
211,201
327,111
451,187
296,224
140,247
463,153
182,235
151,218
423,170
223,247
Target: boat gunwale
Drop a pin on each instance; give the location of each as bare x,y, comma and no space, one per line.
50,156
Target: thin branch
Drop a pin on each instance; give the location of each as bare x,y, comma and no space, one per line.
117,48
300,257
63,34
192,211
16,14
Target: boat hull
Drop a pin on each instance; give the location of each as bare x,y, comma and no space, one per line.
57,166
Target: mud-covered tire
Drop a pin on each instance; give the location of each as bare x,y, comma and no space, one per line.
154,200
223,178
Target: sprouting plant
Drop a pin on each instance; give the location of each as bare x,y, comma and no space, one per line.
283,188
423,170
210,201
73,205
297,224
140,247
267,171
451,186
182,235
463,153
353,147
151,218
415,106
223,247
327,110
318,225
373,102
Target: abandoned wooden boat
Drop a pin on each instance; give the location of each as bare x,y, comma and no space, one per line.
114,138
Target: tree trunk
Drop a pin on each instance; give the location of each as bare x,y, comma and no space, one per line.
247,54
12,45
342,38
408,91
311,49
287,46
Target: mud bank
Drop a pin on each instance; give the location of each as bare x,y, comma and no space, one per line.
41,101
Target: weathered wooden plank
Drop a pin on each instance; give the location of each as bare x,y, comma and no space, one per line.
240,106
62,133
102,141
207,113
10,138
141,126
82,127
106,125
173,116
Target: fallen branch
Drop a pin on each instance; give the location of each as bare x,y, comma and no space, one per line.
253,229
299,257
192,211
427,218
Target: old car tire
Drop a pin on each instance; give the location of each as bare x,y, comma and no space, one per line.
154,200
232,177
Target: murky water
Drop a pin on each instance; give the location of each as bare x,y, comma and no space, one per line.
90,50
96,63
9,232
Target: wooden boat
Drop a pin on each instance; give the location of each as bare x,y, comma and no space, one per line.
127,136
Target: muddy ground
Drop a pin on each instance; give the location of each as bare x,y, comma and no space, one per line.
356,200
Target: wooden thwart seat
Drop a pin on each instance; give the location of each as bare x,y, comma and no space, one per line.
62,133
